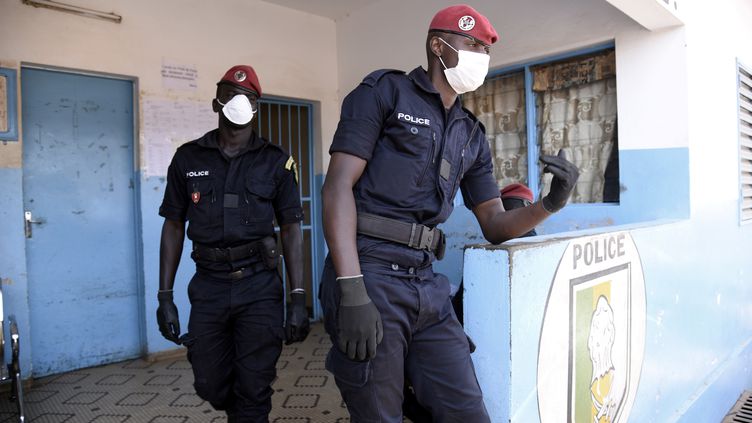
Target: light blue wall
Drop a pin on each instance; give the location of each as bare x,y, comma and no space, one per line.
699,318
13,260
487,319
654,186
152,192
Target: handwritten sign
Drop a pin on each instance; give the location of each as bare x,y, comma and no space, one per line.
179,76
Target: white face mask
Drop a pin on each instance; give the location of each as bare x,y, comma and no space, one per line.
238,110
470,72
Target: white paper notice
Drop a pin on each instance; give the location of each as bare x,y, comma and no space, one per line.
4,124
168,124
179,77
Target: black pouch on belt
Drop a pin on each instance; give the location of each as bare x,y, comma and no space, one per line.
441,247
270,252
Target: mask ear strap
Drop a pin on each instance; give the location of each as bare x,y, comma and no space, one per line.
450,46
442,63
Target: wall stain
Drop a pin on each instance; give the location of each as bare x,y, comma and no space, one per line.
90,106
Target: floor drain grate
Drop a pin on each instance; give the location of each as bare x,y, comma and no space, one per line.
741,412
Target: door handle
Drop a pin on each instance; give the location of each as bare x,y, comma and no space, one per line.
28,221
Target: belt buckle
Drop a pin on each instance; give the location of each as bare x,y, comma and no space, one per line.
426,238
236,274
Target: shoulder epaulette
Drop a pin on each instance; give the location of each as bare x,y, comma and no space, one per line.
291,166
373,78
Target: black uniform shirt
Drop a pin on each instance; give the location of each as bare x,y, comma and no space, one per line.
418,152
230,201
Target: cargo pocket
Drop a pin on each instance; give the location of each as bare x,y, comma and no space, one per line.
258,202
352,373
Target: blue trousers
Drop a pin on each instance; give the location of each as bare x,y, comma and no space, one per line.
234,341
422,339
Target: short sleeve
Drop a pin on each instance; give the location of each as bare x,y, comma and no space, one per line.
175,202
478,184
286,202
361,120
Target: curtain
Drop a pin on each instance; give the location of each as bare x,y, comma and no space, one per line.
576,111
499,104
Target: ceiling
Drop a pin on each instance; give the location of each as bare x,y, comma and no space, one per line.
332,9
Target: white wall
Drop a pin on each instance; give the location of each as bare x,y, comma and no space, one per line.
717,34
392,33
294,53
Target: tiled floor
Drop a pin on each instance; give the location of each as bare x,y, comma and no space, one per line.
162,392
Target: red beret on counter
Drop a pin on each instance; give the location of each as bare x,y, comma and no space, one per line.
464,20
243,76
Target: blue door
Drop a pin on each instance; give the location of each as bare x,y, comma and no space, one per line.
78,184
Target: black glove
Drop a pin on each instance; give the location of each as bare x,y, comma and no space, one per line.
359,321
565,178
167,317
297,326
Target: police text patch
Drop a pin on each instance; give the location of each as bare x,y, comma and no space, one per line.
196,173
413,119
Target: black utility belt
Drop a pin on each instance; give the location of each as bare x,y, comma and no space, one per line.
414,235
264,249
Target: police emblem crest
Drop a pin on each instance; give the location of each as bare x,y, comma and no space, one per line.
240,76
195,197
593,334
466,23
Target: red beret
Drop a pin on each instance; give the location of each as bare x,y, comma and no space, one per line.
517,191
243,76
464,20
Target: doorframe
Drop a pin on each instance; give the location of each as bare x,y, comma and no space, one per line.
135,177
316,228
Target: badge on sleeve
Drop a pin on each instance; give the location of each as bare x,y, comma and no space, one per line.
290,165
196,197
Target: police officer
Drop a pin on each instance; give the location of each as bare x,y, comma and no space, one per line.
516,195
229,185
403,147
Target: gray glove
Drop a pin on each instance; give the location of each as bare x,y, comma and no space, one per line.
359,320
167,317
565,178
